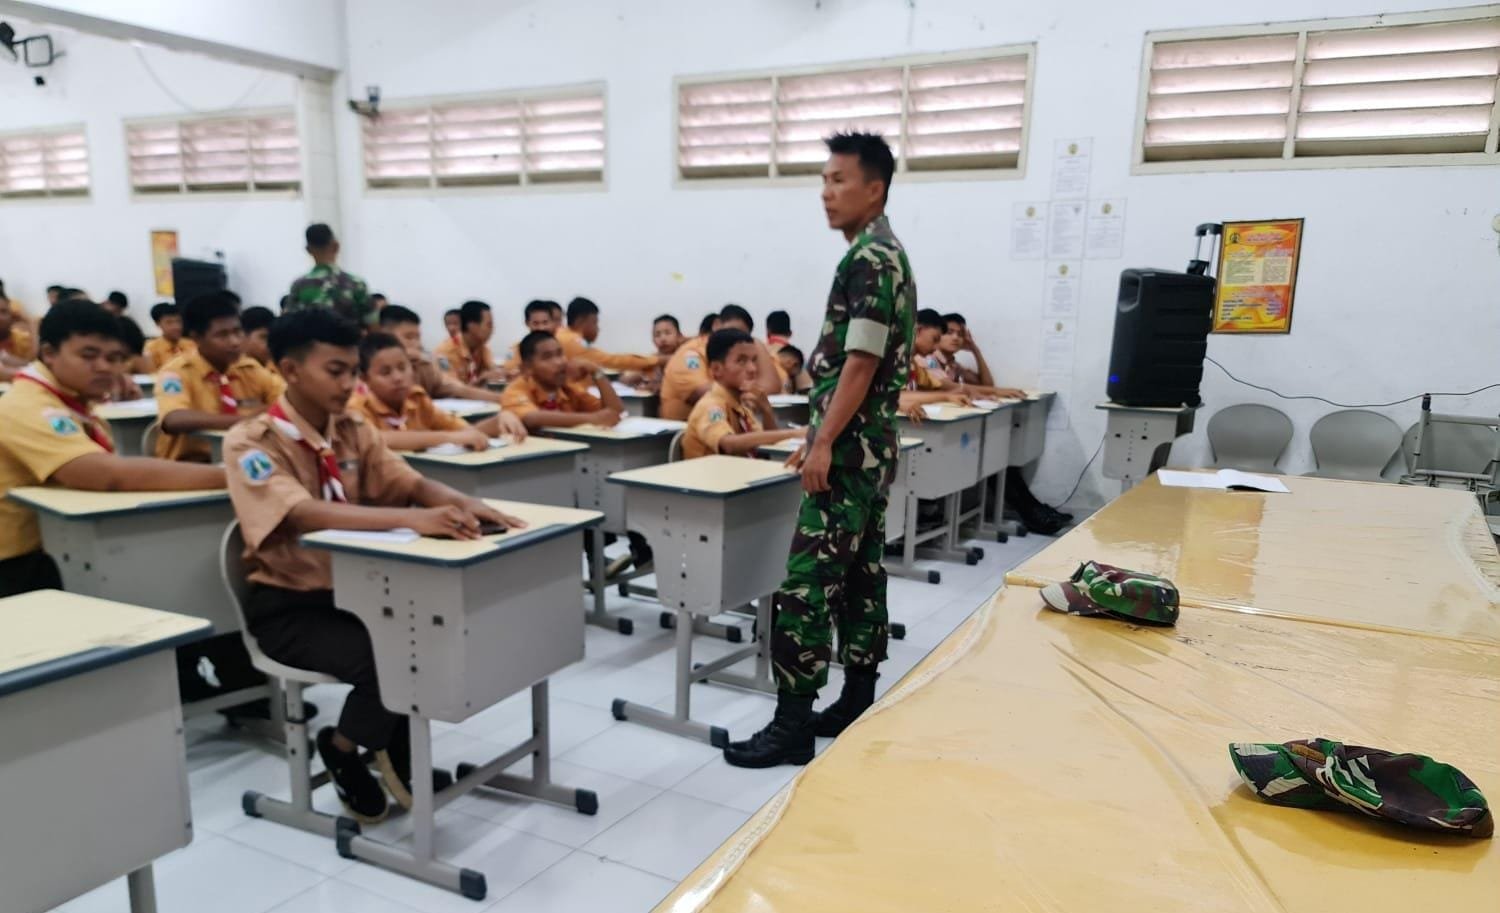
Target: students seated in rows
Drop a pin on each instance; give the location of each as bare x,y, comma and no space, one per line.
930,329
578,337
538,317
551,391
779,339
305,465
16,345
958,355
733,417
405,325
214,385
48,433
794,363
686,378
256,322
667,338
398,408
170,344
467,355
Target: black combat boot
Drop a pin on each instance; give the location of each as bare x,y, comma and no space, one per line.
787,739
856,698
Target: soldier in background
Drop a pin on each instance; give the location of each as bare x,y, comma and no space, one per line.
329,286
834,571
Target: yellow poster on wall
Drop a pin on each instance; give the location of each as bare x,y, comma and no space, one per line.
1257,276
163,249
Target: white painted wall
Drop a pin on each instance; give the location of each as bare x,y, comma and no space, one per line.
1399,276
103,242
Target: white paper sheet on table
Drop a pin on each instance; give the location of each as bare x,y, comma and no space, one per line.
787,399
396,536
139,405
452,404
455,449
636,424
986,404
1223,480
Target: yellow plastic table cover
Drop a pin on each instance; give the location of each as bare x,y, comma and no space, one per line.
1043,763
1385,556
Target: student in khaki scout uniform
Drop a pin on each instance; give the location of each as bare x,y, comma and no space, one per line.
400,410
170,344
733,417
538,318
48,433
550,392
466,355
793,362
405,325
16,345
686,378
578,337
256,322
930,330
304,465
212,387
779,338
666,336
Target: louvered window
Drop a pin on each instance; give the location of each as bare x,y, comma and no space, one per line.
1326,89
239,153
44,163
944,115
555,137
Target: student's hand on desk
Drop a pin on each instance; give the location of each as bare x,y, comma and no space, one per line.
962,399
448,522
512,426
1009,393
471,437
915,413
815,468
488,514
607,418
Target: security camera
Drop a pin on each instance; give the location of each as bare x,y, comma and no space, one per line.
370,107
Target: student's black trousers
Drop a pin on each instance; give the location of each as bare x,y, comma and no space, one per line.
306,630
25,573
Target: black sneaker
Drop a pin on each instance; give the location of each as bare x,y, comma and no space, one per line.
358,790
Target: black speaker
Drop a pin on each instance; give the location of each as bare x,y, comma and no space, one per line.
191,278
1162,321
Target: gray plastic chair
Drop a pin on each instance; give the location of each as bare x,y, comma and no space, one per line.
1450,447
1249,436
674,449
149,437
1353,444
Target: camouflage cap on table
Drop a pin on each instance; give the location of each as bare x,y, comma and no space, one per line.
1101,589
1411,789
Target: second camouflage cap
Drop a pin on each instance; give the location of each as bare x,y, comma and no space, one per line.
1102,589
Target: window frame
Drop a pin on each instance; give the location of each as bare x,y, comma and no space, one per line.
906,61
1288,160
524,185
48,195
183,191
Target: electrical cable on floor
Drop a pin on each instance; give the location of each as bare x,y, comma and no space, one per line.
1344,405
1084,471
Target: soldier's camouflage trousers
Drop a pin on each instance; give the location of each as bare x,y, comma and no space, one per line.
834,576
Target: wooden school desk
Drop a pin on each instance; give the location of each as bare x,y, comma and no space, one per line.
946,464
610,451
994,459
539,470
1109,741
126,422
637,402
790,408
93,774
1393,556
1138,439
456,628
721,528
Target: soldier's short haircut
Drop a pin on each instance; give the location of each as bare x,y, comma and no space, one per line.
779,323
875,158
722,342
164,309
294,335
735,312
471,312
954,317
539,306
793,351
393,315
530,341
256,318
581,308
927,317
200,313
77,318
373,344
318,235
669,319
706,325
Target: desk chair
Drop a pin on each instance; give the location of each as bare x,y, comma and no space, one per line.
1456,451
674,449
1249,436
148,438
287,683
1353,444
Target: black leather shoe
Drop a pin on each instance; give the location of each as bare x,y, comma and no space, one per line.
787,739
358,790
855,699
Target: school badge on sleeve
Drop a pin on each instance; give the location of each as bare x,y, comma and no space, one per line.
717,415
171,383
256,466
694,363
61,422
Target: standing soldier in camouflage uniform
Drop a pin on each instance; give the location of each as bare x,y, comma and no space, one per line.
834,572
327,286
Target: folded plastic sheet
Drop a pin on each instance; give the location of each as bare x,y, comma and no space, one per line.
1382,556
1040,762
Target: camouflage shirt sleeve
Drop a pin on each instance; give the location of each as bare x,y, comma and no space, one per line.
870,282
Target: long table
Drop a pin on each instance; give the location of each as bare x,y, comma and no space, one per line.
1045,762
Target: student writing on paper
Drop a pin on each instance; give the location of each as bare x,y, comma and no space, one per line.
306,465
400,410
733,417
212,386
405,325
48,433
550,392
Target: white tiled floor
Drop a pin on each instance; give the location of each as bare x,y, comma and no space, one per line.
665,802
